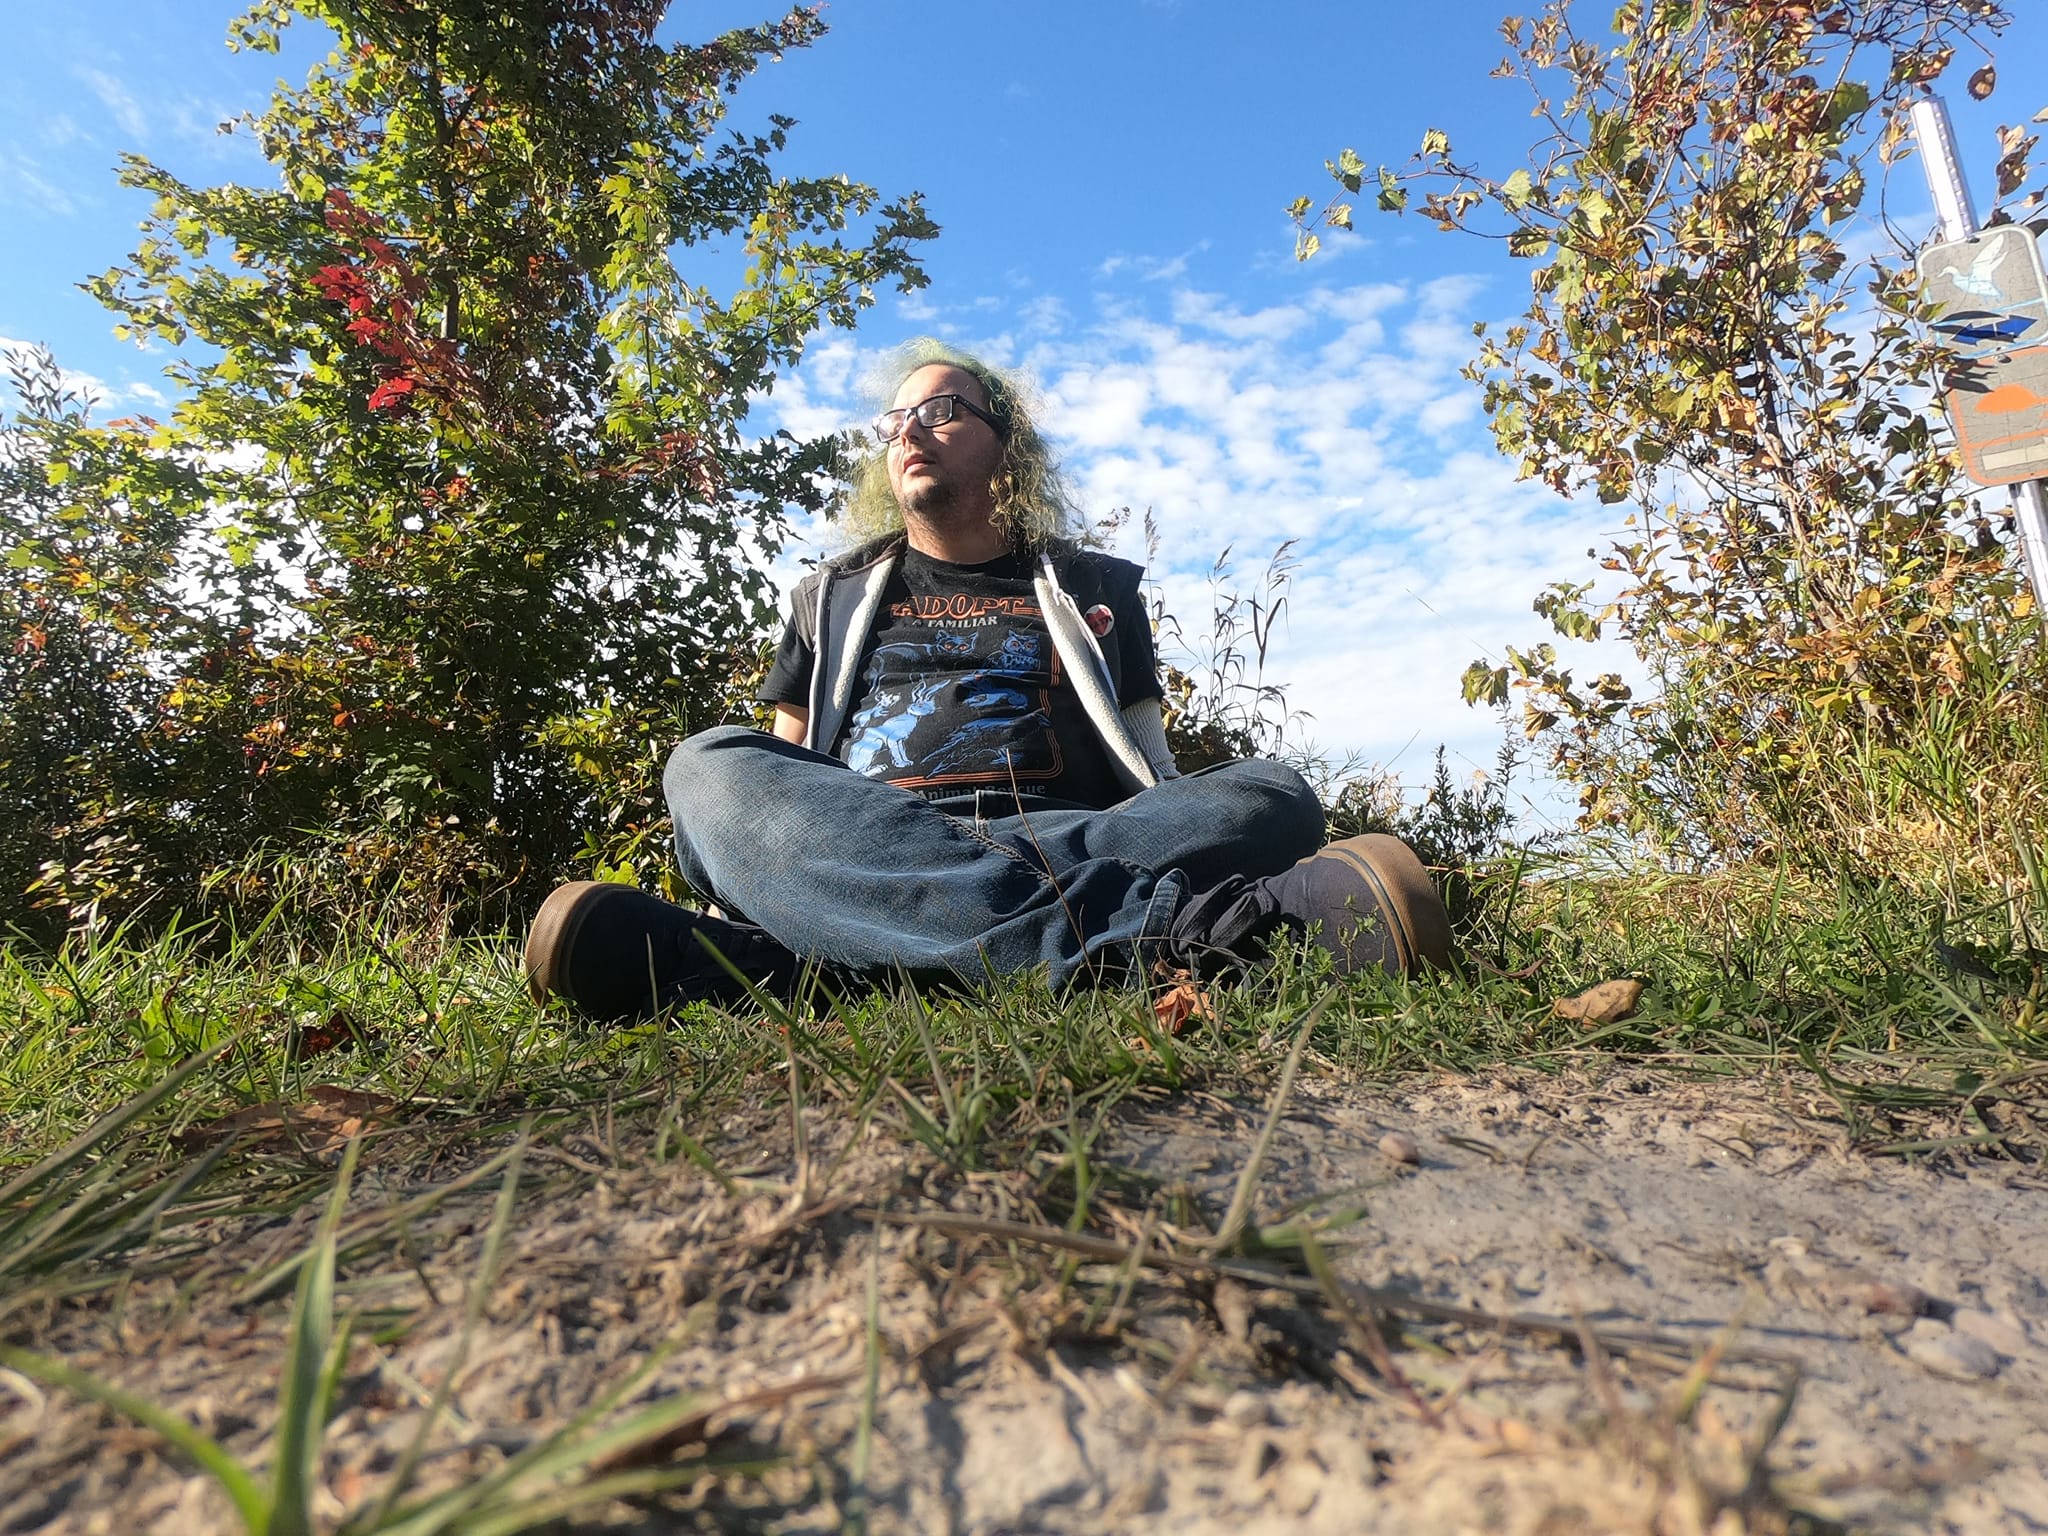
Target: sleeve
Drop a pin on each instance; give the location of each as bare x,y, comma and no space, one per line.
1147,726
789,675
1138,668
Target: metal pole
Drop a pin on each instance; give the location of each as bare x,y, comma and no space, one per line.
1958,222
1944,169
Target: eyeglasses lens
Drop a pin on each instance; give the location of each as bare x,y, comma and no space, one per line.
935,412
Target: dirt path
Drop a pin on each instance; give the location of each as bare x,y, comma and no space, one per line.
1893,1314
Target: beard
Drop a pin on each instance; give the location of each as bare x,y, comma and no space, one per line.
937,499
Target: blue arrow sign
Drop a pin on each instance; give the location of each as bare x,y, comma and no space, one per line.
1980,326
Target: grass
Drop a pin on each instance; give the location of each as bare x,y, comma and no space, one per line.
151,1086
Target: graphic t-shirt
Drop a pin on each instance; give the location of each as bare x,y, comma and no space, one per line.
960,688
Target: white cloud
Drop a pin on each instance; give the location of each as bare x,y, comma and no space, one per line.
23,185
1045,315
1152,269
103,398
118,100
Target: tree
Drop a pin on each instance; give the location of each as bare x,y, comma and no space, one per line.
86,595
1806,579
477,505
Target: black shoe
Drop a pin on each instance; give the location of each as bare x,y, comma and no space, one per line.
1367,900
616,952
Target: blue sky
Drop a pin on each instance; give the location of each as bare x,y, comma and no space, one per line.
1110,178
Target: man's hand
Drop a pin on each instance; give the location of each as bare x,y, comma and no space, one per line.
791,723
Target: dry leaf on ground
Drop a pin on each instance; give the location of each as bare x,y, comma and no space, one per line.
1182,1002
1602,1003
337,1032
322,1124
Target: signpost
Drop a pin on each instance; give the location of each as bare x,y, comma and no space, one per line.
1994,299
1994,315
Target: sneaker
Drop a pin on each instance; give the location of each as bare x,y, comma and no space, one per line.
616,952
1367,900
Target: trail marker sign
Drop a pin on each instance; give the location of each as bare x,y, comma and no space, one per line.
1994,315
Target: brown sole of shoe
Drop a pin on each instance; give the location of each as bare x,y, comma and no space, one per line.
1419,924
553,936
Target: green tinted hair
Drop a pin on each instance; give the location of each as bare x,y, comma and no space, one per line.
1032,505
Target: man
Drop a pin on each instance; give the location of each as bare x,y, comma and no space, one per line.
968,774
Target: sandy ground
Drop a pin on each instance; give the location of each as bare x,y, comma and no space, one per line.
1693,1308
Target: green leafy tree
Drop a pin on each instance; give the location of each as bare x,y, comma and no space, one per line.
1708,341
88,606
474,502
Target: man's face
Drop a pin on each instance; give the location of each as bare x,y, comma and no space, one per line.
943,473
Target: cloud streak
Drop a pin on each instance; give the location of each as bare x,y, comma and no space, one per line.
120,102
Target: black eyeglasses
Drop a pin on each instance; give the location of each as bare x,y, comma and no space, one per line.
935,412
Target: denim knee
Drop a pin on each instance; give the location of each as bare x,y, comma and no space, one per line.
1290,813
707,770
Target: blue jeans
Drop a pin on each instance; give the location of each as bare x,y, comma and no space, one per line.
862,875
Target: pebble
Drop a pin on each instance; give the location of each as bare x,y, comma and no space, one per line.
1244,1409
1939,1348
1400,1148
1895,1298
2002,1336
1298,1486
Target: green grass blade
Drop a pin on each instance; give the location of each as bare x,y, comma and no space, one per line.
270,1279
203,1449
150,1219
45,1221
870,1387
479,1295
303,1411
104,1130
1231,1233
552,1507
439,1512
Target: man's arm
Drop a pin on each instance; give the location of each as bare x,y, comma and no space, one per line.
791,721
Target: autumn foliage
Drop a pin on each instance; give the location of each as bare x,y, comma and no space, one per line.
456,524
1726,339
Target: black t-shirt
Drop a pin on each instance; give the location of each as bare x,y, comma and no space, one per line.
960,687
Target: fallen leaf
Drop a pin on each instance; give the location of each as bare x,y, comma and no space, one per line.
1182,1002
322,1126
338,1032
1600,1004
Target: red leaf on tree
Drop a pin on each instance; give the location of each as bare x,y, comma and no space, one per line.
338,282
390,395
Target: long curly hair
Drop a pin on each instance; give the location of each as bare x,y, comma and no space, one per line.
1032,504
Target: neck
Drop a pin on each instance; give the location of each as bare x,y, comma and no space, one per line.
957,543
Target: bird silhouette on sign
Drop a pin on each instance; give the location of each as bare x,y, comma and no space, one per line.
1977,281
